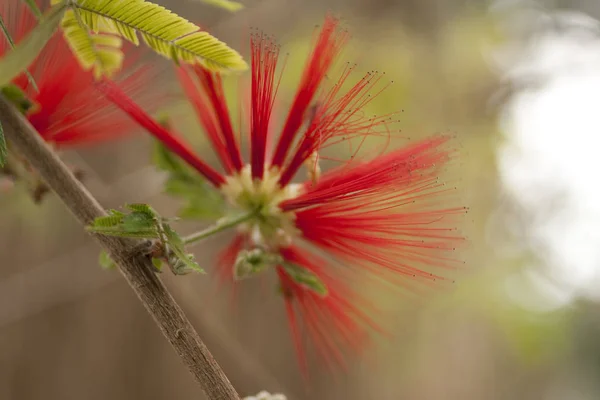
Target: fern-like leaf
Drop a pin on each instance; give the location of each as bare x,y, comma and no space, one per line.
165,32
99,51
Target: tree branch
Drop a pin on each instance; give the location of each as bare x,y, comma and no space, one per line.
135,267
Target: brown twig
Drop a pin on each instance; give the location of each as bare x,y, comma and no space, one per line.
136,267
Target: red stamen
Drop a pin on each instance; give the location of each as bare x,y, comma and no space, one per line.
173,143
265,54
387,215
336,323
207,118
338,116
213,86
68,110
329,45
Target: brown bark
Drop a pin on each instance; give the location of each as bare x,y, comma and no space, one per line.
135,266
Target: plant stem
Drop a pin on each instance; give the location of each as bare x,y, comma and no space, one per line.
221,225
135,267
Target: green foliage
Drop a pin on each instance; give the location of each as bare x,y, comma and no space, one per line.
92,28
249,263
105,261
17,97
252,262
22,55
99,52
143,222
3,151
180,261
228,5
304,277
202,202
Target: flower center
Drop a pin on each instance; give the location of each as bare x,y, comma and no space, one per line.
270,227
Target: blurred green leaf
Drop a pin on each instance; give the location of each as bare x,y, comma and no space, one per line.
202,201
228,5
138,224
183,262
157,262
305,277
105,261
252,262
17,97
19,58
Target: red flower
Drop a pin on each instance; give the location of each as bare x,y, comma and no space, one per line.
383,218
68,110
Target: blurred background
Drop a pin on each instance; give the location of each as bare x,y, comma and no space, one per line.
517,82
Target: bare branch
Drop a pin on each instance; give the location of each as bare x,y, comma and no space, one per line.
135,267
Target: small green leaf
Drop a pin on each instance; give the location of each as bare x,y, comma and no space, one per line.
252,262
166,160
118,231
202,201
17,97
114,218
228,5
305,277
143,208
186,262
157,262
3,150
143,222
138,224
105,261
18,59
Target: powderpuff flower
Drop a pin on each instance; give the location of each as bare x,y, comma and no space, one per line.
66,109
385,217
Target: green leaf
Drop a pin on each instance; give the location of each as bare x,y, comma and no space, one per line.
157,262
144,222
202,201
3,150
305,277
118,231
105,261
165,32
228,5
99,52
114,218
167,161
184,262
252,262
138,224
19,58
17,97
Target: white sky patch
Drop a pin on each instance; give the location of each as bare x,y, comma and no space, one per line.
551,162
